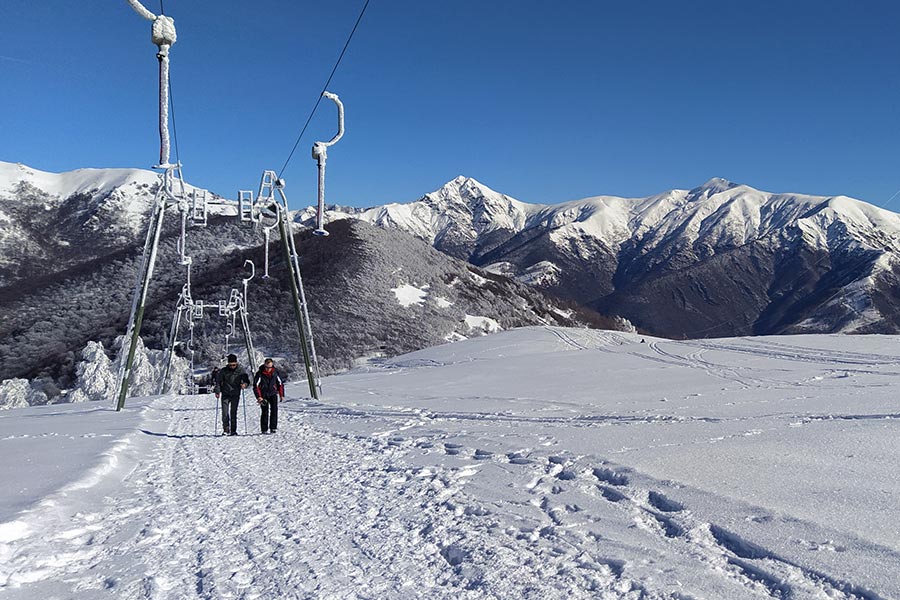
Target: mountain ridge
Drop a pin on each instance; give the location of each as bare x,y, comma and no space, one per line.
67,278
679,263
605,251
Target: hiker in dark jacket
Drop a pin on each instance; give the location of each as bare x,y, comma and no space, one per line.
209,383
229,383
269,389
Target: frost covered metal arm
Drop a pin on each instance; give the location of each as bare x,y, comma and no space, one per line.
340,106
162,33
320,153
139,9
246,281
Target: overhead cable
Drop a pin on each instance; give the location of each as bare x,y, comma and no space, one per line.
324,89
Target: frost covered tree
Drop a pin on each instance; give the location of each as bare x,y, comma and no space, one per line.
97,375
18,393
623,324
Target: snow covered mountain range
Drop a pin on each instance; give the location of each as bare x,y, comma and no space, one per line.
720,259
70,245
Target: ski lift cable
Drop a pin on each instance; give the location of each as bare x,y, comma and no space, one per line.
324,89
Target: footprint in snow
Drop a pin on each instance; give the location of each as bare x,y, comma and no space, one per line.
660,502
452,449
827,545
610,476
611,494
517,458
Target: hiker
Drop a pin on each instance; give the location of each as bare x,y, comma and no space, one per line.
269,389
209,382
229,383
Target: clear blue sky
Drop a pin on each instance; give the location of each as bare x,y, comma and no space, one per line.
544,101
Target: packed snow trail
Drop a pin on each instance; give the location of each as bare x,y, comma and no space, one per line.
303,513
297,514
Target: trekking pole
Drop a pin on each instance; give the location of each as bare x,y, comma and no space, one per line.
216,423
244,402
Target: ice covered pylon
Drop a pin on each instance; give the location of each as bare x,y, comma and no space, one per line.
162,33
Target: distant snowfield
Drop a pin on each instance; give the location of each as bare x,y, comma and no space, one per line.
410,295
533,463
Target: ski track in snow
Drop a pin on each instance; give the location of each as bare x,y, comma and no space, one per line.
844,364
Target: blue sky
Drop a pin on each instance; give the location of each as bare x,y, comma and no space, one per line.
544,101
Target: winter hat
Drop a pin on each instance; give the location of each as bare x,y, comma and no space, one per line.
232,358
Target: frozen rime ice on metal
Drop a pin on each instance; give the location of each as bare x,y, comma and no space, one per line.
141,10
320,153
162,33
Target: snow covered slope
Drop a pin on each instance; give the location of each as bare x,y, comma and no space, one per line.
374,293
52,221
719,259
541,462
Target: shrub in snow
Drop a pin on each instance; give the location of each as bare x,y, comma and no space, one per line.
48,387
17,393
144,370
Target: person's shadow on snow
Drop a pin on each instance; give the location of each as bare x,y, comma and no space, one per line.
179,437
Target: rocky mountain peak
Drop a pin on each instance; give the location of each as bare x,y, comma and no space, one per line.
714,186
464,190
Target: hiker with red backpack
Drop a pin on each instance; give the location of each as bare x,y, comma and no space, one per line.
269,389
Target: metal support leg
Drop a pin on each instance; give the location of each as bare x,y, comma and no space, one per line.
248,341
140,292
298,309
170,352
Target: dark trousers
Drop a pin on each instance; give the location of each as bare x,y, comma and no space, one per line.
230,407
268,419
